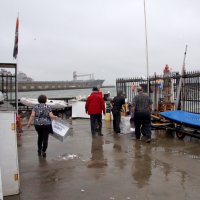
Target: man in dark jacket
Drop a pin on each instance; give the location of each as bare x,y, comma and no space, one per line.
94,106
117,103
142,106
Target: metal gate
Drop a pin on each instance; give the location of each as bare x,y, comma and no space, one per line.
165,87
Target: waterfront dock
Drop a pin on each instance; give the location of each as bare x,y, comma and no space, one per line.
109,167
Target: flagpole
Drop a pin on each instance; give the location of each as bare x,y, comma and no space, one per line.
17,107
16,76
15,53
147,57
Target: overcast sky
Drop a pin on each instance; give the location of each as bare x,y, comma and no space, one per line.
102,37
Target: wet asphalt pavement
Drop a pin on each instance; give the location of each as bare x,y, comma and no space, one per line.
109,167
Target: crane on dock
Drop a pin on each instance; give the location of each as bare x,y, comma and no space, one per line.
75,75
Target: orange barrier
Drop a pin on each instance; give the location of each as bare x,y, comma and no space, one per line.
19,124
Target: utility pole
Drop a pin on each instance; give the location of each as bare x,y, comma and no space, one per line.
147,57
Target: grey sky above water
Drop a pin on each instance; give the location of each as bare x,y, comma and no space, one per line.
102,37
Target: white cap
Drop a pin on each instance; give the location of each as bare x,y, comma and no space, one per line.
108,92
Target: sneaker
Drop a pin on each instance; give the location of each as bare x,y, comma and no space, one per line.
148,140
144,138
44,154
100,134
93,135
39,153
134,138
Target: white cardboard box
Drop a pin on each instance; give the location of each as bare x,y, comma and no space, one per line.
61,129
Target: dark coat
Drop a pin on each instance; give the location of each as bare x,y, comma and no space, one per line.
117,103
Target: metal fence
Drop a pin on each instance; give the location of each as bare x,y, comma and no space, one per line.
8,82
189,92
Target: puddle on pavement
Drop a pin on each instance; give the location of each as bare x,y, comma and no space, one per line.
137,158
67,157
194,157
177,152
52,176
97,163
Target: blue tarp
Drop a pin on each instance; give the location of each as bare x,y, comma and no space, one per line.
187,118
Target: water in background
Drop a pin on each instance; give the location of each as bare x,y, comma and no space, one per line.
64,93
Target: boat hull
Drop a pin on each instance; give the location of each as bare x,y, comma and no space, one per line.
57,85
54,104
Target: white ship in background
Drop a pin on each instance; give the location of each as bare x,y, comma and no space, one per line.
90,82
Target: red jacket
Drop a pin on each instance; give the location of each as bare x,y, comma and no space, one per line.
95,104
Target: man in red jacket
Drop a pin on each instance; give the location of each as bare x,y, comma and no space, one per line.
94,106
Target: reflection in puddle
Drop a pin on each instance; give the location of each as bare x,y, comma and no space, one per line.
117,147
142,165
68,157
178,152
107,142
97,159
194,157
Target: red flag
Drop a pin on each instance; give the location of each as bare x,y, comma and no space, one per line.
15,51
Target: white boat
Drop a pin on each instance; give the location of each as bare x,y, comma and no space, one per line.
54,104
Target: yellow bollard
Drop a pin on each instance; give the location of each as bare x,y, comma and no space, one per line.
108,112
108,117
